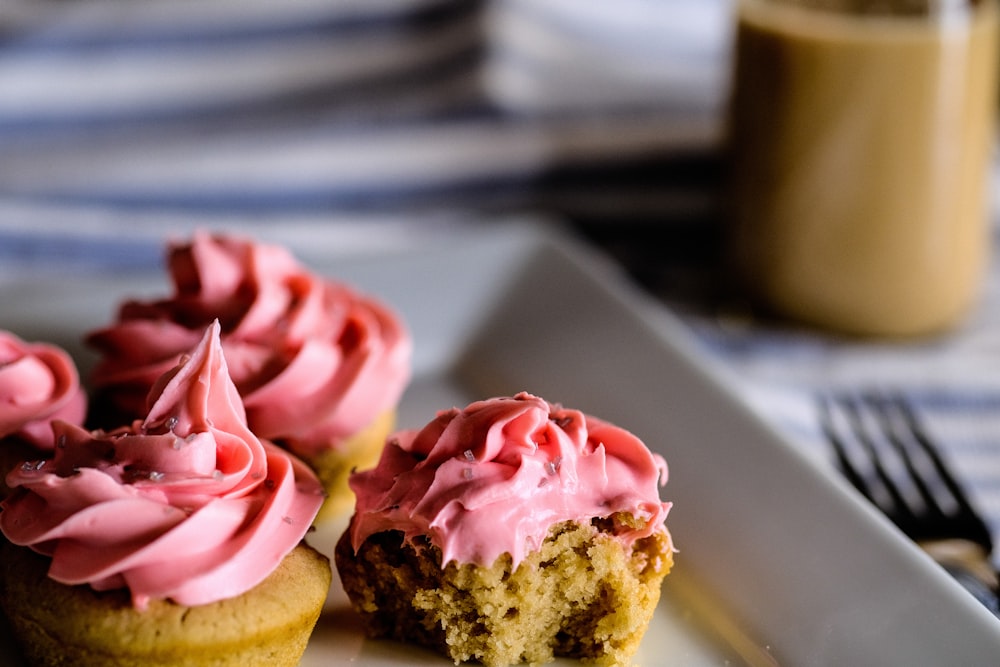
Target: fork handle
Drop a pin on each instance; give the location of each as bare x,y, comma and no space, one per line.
969,564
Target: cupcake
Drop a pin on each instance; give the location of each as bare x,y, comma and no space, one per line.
511,531
176,540
320,367
38,383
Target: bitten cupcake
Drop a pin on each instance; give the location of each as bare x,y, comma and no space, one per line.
174,541
320,367
512,530
38,382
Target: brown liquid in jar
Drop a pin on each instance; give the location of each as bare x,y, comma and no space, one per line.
859,150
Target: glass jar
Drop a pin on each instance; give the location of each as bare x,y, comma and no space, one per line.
860,138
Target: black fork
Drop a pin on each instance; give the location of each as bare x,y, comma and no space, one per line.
885,452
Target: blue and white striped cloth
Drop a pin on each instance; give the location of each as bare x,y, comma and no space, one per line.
356,105
378,119
952,381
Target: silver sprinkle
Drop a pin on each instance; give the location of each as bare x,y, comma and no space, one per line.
469,455
172,423
552,467
155,476
467,473
563,422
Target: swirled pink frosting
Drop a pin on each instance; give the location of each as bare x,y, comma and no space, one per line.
38,382
494,477
187,505
314,360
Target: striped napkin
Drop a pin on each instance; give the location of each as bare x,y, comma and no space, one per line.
952,381
358,105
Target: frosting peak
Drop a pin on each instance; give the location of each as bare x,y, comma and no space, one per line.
38,383
494,477
313,360
187,504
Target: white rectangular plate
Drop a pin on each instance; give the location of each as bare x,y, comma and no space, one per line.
778,562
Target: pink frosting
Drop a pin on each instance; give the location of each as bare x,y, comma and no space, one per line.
187,505
494,477
314,361
38,383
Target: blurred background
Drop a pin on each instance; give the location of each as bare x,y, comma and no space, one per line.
595,113
381,119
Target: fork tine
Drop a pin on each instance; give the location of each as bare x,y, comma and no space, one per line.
887,426
920,512
832,435
891,501
888,412
964,511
